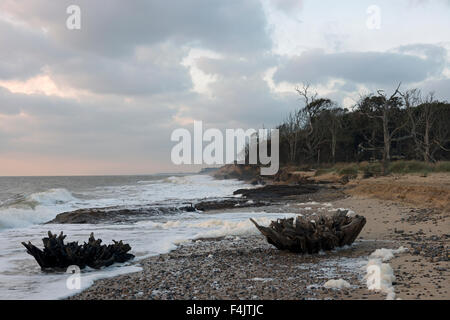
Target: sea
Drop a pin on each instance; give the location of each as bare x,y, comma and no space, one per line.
27,203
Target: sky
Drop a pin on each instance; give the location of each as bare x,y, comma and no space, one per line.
105,98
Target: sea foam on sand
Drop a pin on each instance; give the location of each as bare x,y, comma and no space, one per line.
387,254
337,284
379,275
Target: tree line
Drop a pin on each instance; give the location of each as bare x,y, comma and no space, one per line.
403,125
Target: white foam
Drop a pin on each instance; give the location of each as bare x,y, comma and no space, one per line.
311,203
37,208
379,275
387,254
337,284
224,228
21,277
262,279
41,207
52,197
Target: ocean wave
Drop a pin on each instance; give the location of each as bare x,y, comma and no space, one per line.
39,207
25,210
52,197
48,197
19,217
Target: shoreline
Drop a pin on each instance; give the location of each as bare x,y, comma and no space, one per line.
249,268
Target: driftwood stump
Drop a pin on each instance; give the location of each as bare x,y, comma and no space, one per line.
58,255
307,236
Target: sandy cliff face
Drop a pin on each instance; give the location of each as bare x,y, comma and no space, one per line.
431,191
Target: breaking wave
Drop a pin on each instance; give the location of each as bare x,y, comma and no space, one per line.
24,210
49,197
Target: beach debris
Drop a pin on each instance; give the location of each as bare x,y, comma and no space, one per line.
58,255
311,236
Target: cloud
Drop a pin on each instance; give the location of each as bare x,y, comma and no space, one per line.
24,51
378,68
149,70
124,48
111,93
441,88
235,67
240,102
95,128
152,70
288,5
115,27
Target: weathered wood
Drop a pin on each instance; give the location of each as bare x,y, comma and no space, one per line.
58,255
306,236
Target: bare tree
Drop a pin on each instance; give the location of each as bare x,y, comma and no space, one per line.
421,114
333,122
314,133
383,110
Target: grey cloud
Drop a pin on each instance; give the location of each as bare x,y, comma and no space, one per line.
288,5
316,66
24,52
441,87
105,128
129,76
103,57
241,102
150,70
234,66
114,27
431,52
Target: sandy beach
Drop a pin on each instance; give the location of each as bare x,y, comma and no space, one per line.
247,267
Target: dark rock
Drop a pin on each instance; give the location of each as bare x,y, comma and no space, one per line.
116,214
209,205
276,191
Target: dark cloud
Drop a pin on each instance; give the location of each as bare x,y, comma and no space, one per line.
316,66
155,70
114,27
24,52
95,129
150,70
125,47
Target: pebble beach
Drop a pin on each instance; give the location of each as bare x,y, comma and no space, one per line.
247,267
